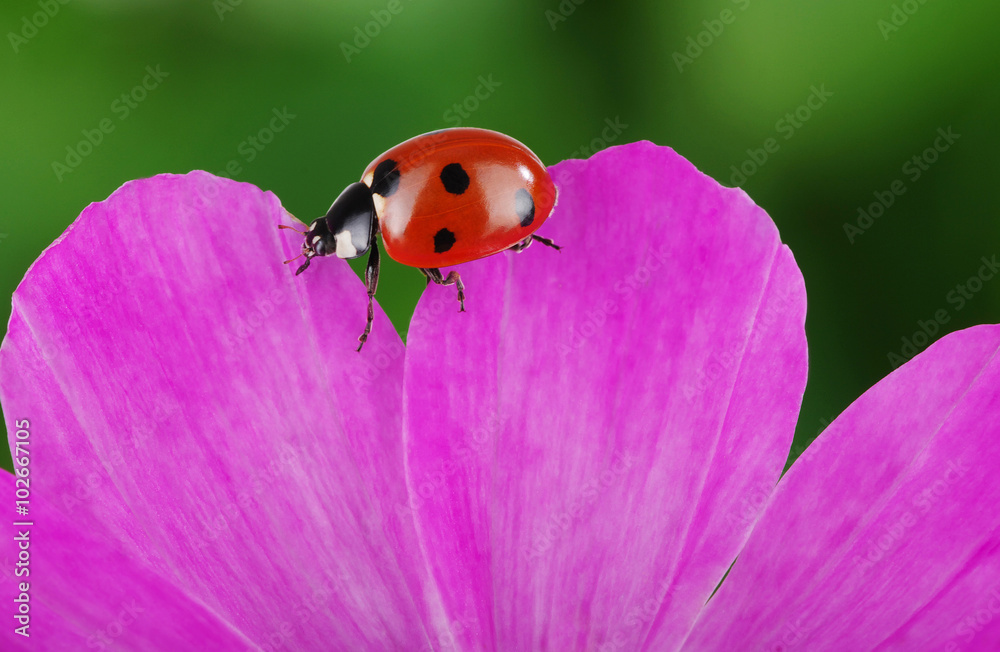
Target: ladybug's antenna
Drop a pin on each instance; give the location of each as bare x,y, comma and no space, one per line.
302,268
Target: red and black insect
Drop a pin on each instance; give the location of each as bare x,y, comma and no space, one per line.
440,199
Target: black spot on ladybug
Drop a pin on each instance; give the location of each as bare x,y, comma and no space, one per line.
454,178
385,179
525,207
443,241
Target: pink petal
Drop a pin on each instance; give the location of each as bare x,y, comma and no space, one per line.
90,595
589,443
885,535
208,409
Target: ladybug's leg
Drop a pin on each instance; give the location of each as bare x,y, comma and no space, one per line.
371,282
434,274
546,242
523,244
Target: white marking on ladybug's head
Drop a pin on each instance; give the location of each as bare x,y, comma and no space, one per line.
345,248
379,202
318,246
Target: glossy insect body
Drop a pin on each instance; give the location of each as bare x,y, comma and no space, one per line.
457,195
440,199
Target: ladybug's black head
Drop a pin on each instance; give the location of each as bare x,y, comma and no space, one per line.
347,230
319,241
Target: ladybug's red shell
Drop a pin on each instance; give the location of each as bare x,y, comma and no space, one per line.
455,195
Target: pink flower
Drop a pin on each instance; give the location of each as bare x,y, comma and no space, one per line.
572,464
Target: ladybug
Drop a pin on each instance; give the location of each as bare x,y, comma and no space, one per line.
440,199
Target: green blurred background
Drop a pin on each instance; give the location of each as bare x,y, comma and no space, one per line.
712,79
